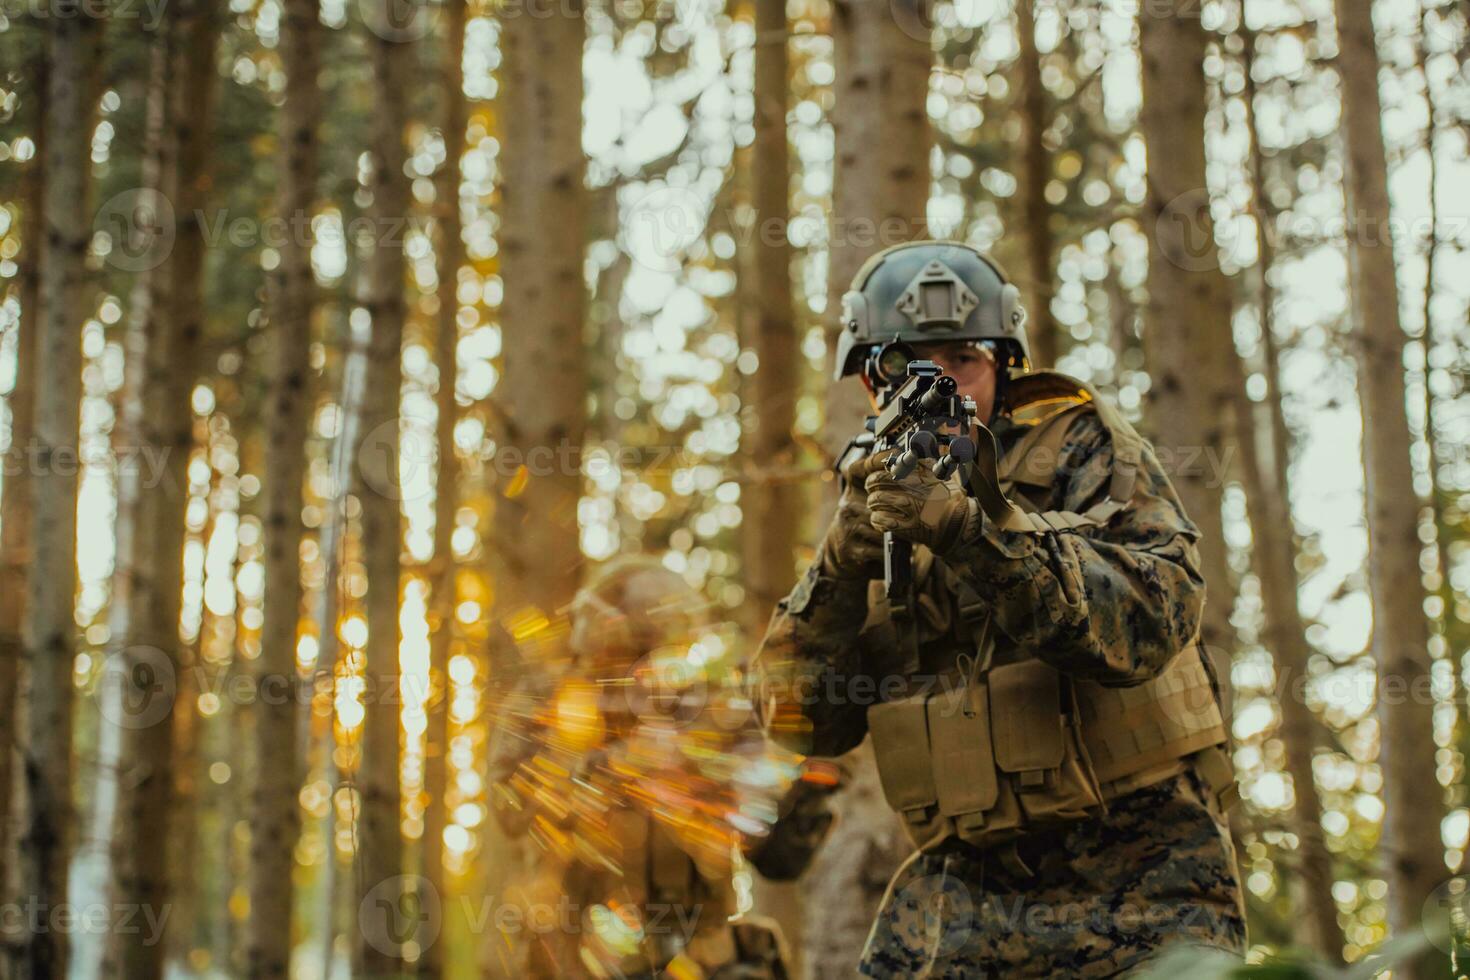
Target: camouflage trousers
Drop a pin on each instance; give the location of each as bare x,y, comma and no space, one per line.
1103,896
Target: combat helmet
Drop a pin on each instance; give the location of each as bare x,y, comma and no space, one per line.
633,627
927,291
631,607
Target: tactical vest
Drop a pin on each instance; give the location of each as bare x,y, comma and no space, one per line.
1018,746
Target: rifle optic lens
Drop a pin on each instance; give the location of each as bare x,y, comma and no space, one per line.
893,361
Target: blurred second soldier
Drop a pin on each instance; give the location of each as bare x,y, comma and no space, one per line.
585,756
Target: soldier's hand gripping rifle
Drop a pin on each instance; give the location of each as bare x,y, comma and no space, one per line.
925,409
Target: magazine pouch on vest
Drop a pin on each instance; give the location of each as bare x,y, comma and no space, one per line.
1023,747
985,761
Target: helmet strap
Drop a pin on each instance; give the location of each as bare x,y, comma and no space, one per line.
1002,385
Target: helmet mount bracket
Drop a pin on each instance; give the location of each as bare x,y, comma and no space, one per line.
937,298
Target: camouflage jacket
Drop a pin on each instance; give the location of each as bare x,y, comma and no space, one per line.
1111,604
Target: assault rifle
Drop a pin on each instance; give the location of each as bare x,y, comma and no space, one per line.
917,414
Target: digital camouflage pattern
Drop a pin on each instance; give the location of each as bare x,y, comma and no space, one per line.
1104,896
1111,604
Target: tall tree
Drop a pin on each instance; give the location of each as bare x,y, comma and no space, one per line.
880,179
145,813
1274,550
543,234
276,816
880,197
770,500
1452,628
327,612
1191,354
50,624
380,849
186,880
1413,798
542,239
771,503
15,502
446,497
104,863
1034,171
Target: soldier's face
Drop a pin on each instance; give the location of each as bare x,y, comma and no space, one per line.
972,368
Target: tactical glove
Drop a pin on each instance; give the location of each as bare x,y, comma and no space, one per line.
852,548
804,817
921,508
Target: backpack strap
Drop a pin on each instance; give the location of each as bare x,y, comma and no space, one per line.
1055,401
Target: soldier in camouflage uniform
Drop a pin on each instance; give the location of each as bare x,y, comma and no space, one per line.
1042,718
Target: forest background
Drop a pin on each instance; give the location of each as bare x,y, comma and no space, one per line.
301,297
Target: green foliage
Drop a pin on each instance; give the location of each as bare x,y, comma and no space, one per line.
1288,964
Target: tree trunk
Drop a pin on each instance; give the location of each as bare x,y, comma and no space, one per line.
102,863
15,496
1034,173
1452,628
542,242
154,646
327,613
880,178
185,886
880,198
1191,353
542,395
772,505
770,500
1413,797
380,841
276,820
1274,549
446,496
50,624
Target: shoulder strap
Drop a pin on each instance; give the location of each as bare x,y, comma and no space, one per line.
1059,399
1033,459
